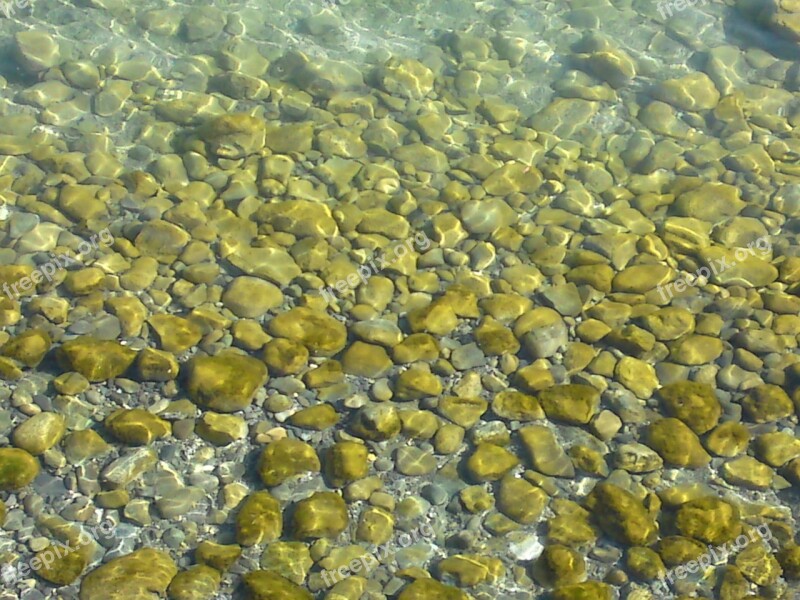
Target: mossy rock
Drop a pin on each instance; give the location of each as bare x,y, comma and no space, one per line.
17,468
429,589
61,566
137,426
709,519
693,403
97,360
28,348
259,520
767,403
135,576
320,333
266,585
489,463
676,443
346,462
789,558
286,458
571,403
470,570
224,383
621,515
199,582
560,565
317,418
219,556
677,550
322,515
644,564
590,590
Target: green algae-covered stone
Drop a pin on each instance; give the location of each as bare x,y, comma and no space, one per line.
560,565
97,360
226,382
489,463
289,559
469,569
429,589
728,439
693,403
590,590
709,519
259,520
175,334
464,411
60,566
521,501
286,458
233,135
320,333
219,556
377,422
676,443
621,515
767,403
644,564
28,348
758,564
677,550
572,403
789,559
317,418
266,585
40,432
322,515
137,426
199,582
156,365
346,462
135,576
514,405
221,430
17,468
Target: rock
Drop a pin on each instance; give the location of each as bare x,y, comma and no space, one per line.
82,445
199,582
321,334
692,92
219,556
39,433
521,501
61,569
266,585
693,403
288,559
36,51
97,360
128,467
571,403
366,360
175,334
728,439
17,468
637,458
221,430
377,422
676,443
621,515
489,463
516,406
560,565
156,365
544,452
322,515
137,427
135,575
542,331
286,458
470,570
767,403
758,564
226,382
462,411
430,589
346,462
407,78
161,238
28,348
747,472
414,462
260,519
250,297
708,519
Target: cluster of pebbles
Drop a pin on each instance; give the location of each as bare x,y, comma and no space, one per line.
539,384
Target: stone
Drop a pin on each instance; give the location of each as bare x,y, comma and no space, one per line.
575,404
97,360
728,439
708,519
322,515
286,458
137,426
36,51
463,411
693,403
135,575
521,501
28,348
17,468
224,383
288,559
621,515
430,589
233,136
767,403
377,422
676,443
470,570
692,92
321,334
545,454
251,297
219,556
199,582
221,430
489,463
346,462
267,585
514,405
175,334
39,433
259,520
